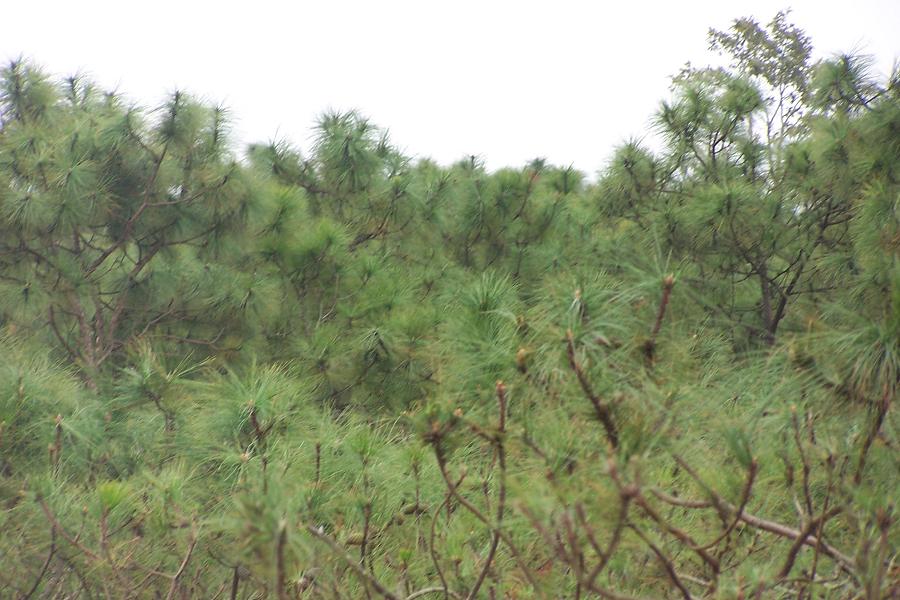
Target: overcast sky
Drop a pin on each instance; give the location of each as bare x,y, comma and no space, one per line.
509,81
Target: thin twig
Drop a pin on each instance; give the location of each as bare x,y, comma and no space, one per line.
802,538
501,492
517,556
367,578
666,562
601,408
184,564
46,564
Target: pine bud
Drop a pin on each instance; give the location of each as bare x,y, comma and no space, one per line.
521,360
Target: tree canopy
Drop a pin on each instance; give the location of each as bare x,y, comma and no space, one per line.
349,373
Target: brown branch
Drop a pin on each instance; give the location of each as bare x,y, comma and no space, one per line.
846,563
745,498
821,528
513,549
501,492
68,348
318,464
367,521
432,551
606,555
601,408
56,525
682,502
882,410
132,220
119,310
182,567
634,492
235,582
551,540
45,566
56,447
807,468
650,345
367,578
802,538
666,562
280,588
425,592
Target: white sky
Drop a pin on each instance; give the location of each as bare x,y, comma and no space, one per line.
507,80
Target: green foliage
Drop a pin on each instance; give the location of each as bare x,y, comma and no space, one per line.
355,374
